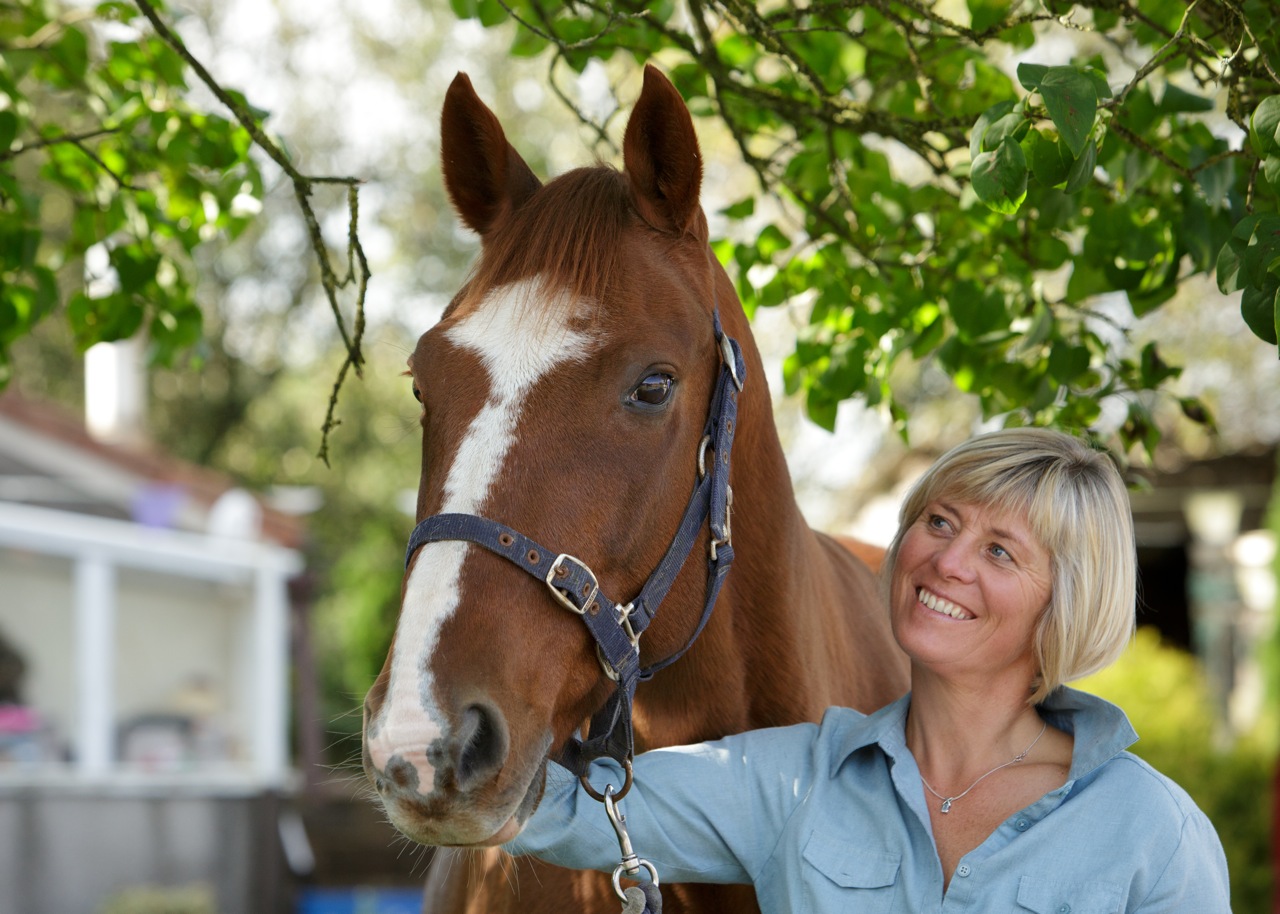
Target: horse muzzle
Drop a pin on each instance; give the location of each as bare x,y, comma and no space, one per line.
460,786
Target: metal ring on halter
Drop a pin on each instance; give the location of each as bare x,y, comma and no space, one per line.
617,877
702,456
597,795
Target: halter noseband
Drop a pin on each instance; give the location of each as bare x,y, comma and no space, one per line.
616,627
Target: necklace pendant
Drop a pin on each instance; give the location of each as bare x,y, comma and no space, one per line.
946,806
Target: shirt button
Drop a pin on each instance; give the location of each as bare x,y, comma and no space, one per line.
1064,909
1023,825
962,869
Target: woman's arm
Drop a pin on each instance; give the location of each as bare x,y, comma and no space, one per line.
705,813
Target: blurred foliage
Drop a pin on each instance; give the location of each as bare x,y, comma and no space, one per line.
109,179
1165,694
192,899
936,208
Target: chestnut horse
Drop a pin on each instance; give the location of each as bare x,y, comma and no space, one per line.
564,395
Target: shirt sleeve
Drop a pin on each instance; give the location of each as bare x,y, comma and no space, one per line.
711,812
1195,878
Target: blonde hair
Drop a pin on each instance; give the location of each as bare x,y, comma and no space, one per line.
1074,501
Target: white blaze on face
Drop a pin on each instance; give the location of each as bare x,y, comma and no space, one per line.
518,342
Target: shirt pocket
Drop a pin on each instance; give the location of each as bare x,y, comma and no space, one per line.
1049,896
849,877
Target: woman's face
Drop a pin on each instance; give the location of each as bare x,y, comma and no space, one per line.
968,588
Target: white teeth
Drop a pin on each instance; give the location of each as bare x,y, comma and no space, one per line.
939,605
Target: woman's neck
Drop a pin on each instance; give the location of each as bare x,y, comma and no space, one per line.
958,733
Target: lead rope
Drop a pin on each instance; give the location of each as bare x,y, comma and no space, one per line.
636,899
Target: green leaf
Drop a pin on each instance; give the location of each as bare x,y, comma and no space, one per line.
1048,158
1229,262
771,241
1263,251
1271,168
134,268
1263,126
1153,369
175,330
1100,85
983,14
8,129
976,311
1031,75
1179,101
984,122
71,51
1072,102
1000,178
740,210
1260,309
1081,172
822,409
97,320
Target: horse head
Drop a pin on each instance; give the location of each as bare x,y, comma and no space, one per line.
564,395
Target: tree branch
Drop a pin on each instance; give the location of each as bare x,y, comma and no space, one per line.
358,267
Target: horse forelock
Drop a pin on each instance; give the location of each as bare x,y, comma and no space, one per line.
569,235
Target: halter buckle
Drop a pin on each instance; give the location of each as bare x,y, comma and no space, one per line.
561,594
624,623
728,529
730,361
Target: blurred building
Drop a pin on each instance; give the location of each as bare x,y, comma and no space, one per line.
1206,554
144,670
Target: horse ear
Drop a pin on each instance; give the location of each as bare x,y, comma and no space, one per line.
660,153
484,175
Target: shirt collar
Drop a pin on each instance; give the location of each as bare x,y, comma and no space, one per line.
1100,730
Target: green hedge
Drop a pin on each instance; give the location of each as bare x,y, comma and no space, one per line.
1165,694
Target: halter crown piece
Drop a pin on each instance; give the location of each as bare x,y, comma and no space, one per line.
617,627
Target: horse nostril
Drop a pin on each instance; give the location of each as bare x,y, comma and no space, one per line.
482,736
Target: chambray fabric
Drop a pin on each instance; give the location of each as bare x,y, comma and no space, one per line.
831,817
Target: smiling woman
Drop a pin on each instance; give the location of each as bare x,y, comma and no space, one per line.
992,783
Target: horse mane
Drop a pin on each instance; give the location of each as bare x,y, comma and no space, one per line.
568,234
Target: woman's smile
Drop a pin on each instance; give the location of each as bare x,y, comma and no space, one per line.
941,605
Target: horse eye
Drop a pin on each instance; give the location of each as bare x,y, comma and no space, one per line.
653,390
417,394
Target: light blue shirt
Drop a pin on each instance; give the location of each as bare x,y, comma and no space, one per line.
831,817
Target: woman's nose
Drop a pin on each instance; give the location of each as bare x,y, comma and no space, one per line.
955,560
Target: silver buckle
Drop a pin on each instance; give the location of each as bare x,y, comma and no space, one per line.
624,622
726,352
728,529
560,593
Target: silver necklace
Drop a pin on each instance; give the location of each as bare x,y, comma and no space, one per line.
947,801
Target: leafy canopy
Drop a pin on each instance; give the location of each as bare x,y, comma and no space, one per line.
1044,185
954,189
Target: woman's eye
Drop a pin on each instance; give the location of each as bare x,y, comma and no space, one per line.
653,390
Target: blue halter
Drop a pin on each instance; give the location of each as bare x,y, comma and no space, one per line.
615,627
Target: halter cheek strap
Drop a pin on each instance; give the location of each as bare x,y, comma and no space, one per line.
616,628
